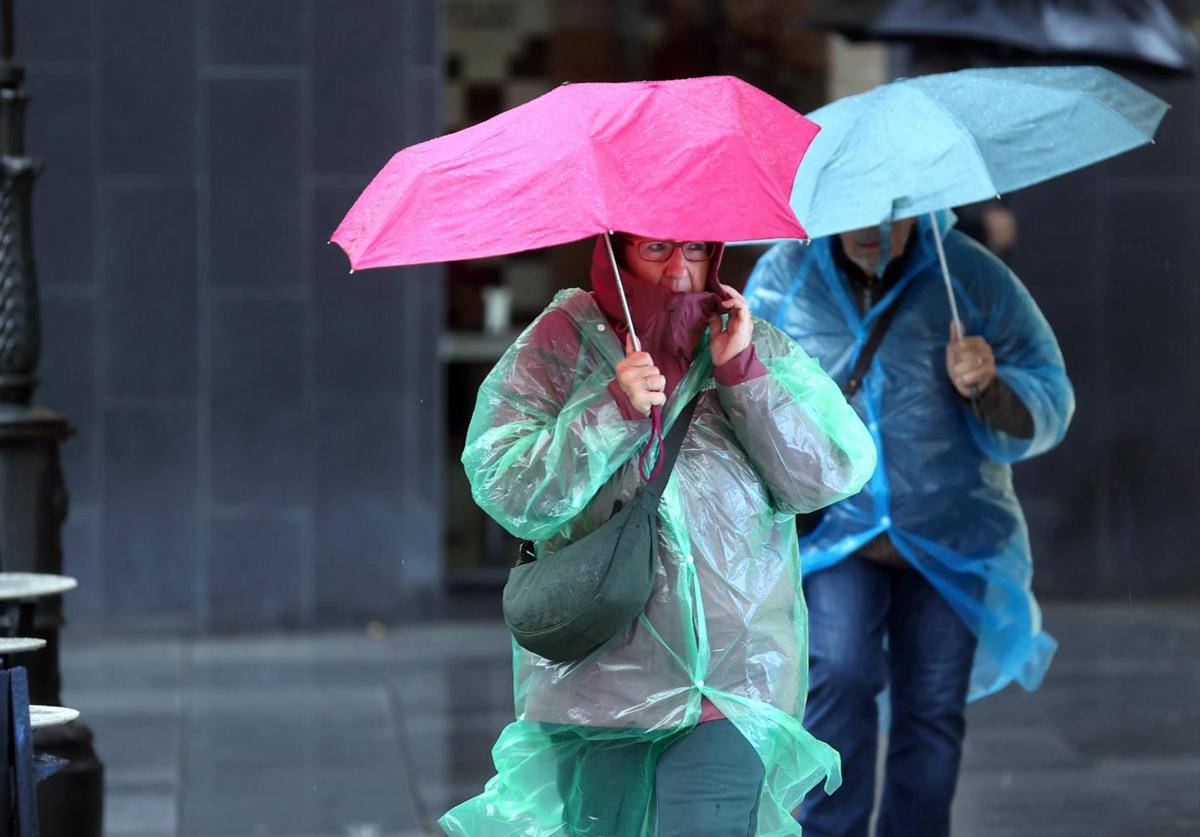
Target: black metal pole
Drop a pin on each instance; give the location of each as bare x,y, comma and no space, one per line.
33,496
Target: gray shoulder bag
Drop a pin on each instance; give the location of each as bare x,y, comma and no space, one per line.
563,604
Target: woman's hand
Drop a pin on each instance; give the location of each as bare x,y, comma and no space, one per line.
727,342
639,378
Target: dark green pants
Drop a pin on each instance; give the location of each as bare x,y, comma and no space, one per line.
706,784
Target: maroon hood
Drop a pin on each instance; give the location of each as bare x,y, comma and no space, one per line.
669,325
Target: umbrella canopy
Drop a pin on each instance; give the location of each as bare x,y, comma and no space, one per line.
918,145
708,159
852,18
1132,30
1139,31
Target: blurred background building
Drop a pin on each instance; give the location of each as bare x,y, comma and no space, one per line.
267,443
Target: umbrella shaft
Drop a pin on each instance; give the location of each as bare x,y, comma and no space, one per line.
937,240
612,257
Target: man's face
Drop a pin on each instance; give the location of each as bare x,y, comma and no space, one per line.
863,246
675,273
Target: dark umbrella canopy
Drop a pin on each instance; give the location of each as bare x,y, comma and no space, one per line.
852,18
1140,31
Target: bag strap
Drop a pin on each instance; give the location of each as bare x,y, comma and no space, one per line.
669,449
863,362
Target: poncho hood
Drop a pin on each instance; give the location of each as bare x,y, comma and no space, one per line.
669,325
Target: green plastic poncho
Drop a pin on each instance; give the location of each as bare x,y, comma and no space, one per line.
548,455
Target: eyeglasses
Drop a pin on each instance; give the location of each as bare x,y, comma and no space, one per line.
660,251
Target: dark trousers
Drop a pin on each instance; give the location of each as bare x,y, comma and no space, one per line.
708,784
853,606
705,783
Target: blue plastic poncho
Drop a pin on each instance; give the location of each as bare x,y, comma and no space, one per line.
943,491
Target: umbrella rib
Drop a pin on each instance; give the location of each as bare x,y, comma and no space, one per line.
833,153
700,106
765,176
595,178
970,135
607,220
719,118
1079,92
1163,103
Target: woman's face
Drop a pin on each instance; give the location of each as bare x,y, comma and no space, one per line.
684,265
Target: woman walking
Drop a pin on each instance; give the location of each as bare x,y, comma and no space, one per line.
688,721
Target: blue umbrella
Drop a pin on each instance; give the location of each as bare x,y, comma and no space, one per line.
919,145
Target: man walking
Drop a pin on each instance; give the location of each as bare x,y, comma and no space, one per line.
919,583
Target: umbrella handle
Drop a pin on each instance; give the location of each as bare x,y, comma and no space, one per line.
612,257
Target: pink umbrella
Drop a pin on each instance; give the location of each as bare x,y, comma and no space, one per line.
704,159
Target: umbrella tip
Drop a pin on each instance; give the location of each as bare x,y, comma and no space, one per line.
351,271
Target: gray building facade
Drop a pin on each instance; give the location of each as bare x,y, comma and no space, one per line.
257,439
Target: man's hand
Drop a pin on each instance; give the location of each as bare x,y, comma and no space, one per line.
640,379
726,343
969,363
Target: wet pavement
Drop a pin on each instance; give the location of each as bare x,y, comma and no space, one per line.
360,736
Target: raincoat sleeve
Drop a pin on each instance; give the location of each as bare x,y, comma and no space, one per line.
808,445
1028,361
546,433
